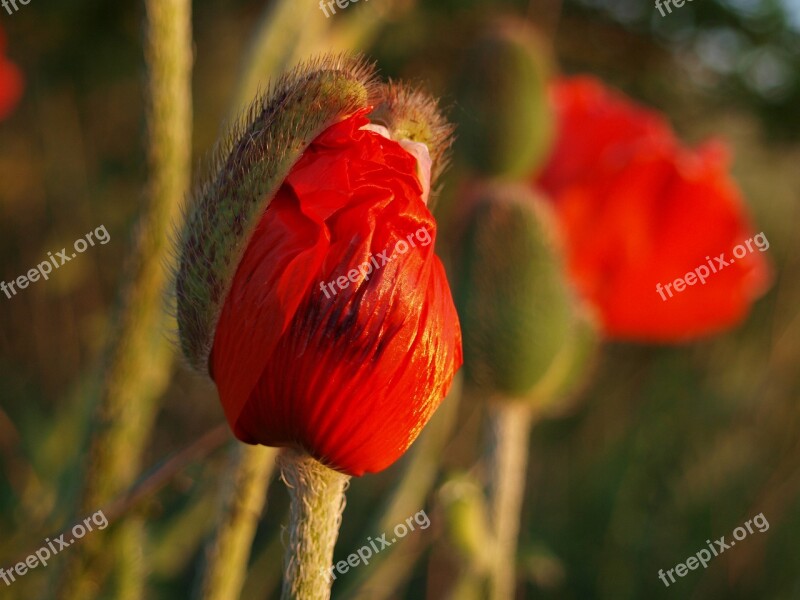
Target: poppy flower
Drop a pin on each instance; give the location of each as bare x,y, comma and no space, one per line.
338,335
639,211
11,83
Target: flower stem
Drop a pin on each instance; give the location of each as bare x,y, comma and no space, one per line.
317,503
506,462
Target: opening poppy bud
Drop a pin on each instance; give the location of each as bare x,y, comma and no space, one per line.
332,328
506,125
518,314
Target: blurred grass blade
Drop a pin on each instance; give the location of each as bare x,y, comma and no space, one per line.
243,496
281,39
140,357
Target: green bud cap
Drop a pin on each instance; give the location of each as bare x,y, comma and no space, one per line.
506,127
413,115
250,165
518,313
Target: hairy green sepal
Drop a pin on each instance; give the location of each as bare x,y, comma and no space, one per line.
250,166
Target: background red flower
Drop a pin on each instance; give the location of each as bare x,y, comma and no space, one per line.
637,208
11,82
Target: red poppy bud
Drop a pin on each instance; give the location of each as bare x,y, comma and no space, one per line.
639,210
337,332
11,82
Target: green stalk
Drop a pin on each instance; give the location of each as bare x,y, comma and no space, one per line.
317,503
140,357
244,497
281,39
506,464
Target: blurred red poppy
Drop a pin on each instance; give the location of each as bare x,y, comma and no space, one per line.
335,337
639,210
11,83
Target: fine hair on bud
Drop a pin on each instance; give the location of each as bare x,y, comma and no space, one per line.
248,167
412,114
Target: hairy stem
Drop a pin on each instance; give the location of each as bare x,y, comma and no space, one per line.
244,496
506,463
317,503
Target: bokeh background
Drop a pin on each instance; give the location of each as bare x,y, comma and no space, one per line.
666,447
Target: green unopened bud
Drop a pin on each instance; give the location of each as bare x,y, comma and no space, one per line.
523,332
559,387
506,126
467,520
